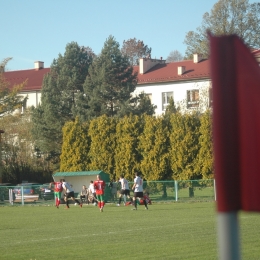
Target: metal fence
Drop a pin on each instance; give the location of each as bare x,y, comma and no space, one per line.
191,190
22,195
159,191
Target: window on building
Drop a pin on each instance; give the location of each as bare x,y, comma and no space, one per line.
192,98
166,96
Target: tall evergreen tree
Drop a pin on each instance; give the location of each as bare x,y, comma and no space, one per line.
110,82
75,147
205,155
153,146
102,132
60,91
108,87
184,146
127,157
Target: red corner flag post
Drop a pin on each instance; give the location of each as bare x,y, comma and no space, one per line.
236,134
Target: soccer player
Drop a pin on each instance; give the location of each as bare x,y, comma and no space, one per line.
138,191
146,198
92,194
69,193
141,202
57,191
125,191
99,186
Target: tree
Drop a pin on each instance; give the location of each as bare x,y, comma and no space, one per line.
10,100
205,155
138,105
153,147
110,82
134,50
60,91
75,147
127,157
184,146
171,108
20,161
226,17
102,133
174,56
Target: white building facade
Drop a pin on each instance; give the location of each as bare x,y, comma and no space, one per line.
187,83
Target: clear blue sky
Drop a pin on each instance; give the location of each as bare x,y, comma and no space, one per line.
39,30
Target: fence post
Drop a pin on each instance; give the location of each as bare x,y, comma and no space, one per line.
11,198
176,190
22,195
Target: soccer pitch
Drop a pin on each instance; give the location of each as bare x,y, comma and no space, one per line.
165,231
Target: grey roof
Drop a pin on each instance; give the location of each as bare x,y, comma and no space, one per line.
84,173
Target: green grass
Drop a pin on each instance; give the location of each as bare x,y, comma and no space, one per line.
165,231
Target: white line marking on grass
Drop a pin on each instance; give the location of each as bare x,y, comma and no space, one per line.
94,234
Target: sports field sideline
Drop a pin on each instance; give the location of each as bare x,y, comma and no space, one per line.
165,231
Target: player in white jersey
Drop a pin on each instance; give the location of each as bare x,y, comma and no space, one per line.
69,193
92,194
138,191
125,191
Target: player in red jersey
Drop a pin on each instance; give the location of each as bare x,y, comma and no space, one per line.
141,202
57,191
99,186
146,198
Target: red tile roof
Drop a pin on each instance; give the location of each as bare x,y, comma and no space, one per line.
163,72
35,78
168,72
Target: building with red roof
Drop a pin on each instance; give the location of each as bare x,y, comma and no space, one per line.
33,77
187,82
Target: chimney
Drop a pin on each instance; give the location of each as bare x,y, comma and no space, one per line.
181,70
38,65
146,63
197,58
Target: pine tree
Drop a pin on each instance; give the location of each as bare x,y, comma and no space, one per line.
110,82
108,88
60,91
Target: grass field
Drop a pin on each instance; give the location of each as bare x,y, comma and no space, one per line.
165,231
